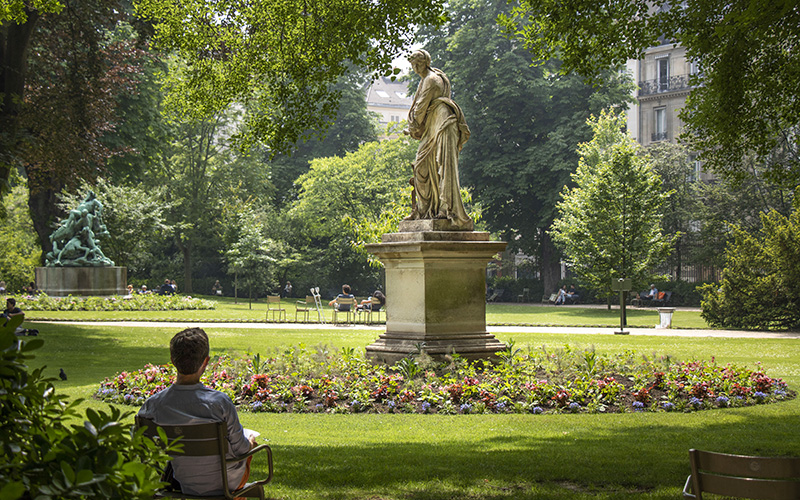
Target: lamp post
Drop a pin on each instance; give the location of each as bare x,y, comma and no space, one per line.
623,286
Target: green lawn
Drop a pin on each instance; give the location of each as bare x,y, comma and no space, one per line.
505,314
439,457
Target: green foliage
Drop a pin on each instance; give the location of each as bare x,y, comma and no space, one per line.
745,99
136,302
133,215
19,248
761,282
280,58
610,224
514,287
17,11
46,458
252,257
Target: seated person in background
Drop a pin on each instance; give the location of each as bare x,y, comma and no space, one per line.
188,401
30,289
174,286
562,295
344,295
216,289
144,290
287,290
366,304
2,287
652,294
10,311
128,292
166,288
572,295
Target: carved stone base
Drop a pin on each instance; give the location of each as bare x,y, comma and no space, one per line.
63,281
436,294
418,225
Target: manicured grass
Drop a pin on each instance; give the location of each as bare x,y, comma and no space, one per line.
441,457
496,314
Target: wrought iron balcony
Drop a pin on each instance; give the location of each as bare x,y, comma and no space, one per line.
660,85
658,136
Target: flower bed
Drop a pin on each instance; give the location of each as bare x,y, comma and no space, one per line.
566,380
136,302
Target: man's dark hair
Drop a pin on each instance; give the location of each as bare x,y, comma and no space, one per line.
188,349
346,289
12,301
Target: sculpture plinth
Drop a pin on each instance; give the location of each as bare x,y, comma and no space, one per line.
63,281
436,289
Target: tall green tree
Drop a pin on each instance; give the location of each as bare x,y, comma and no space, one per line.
609,225
252,257
280,58
135,216
526,123
20,252
746,96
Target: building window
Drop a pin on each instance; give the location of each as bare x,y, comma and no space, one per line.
663,74
660,125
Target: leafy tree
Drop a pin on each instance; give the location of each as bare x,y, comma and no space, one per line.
351,127
19,248
672,163
252,257
339,194
609,225
279,58
69,101
46,457
745,101
526,122
761,282
133,215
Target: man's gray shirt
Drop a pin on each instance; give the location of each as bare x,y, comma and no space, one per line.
197,404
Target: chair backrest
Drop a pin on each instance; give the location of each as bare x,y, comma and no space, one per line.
343,301
374,303
198,440
309,299
767,478
273,299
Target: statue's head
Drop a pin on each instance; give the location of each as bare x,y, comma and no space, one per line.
420,57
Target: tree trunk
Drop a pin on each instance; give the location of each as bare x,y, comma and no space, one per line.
550,267
42,206
14,44
186,249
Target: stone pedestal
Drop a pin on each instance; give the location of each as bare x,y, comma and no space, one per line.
436,292
63,281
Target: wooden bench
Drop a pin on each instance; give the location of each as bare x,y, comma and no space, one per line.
765,478
203,440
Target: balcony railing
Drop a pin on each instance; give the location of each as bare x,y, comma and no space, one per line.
659,85
658,136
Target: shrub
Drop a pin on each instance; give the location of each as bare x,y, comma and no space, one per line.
45,458
760,287
512,288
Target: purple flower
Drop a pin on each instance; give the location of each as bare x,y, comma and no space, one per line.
574,406
722,401
537,410
760,395
426,406
466,407
696,402
638,406
666,405
256,405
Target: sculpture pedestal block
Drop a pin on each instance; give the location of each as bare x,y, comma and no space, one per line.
63,281
436,289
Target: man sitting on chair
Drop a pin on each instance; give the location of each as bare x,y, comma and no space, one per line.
344,295
188,401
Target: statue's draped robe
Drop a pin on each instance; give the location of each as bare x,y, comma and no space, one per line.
440,126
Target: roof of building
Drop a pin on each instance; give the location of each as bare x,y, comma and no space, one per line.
388,93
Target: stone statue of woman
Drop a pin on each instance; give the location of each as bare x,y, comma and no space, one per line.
438,123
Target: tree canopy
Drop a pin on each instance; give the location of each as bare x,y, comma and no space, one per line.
746,95
279,58
609,225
